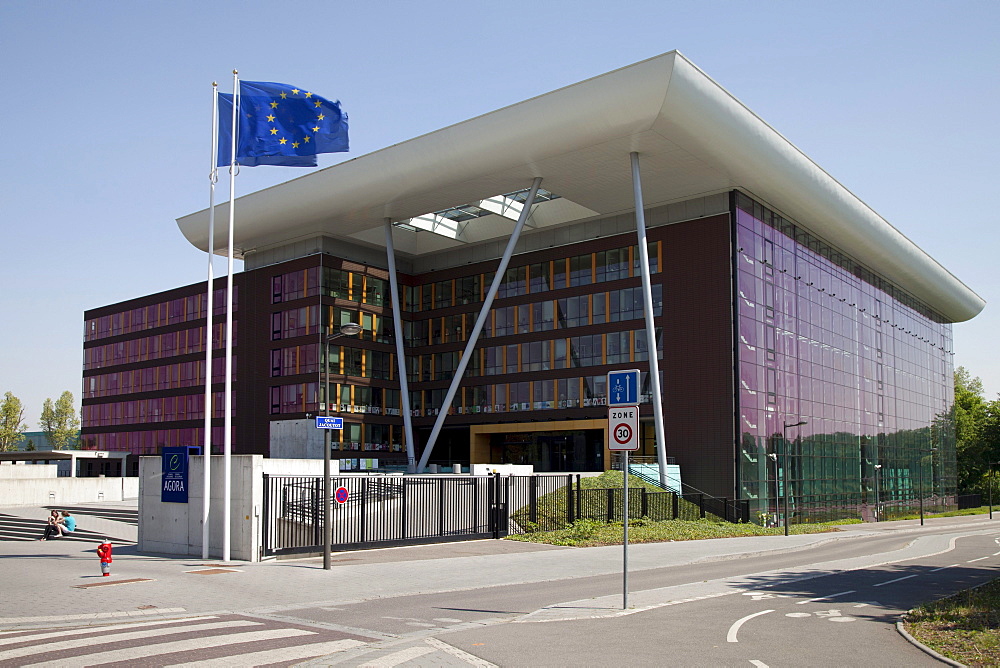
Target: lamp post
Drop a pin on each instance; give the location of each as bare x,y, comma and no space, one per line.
784,436
877,517
777,490
992,464
347,329
920,473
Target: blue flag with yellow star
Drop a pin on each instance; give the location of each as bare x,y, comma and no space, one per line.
281,125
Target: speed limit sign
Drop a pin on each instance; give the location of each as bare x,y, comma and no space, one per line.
623,428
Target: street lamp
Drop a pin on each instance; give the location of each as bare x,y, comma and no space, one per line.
784,436
347,329
877,514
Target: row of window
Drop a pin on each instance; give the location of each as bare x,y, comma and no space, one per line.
150,441
350,285
160,409
503,397
314,319
534,278
573,352
170,376
356,286
182,309
158,346
617,306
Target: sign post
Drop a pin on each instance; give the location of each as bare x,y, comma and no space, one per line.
623,436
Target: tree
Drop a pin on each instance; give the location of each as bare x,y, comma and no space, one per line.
30,447
12,425
59,422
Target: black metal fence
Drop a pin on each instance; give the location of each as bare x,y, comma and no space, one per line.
607,505
382,511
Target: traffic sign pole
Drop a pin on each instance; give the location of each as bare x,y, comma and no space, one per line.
625,531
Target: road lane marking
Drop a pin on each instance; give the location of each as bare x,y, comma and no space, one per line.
758,664
735,628
470,659
935,570
979,559
823,598
889,582
396,658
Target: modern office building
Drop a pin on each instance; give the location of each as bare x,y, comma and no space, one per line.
804,344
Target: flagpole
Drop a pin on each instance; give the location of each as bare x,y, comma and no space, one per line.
213,178
227,451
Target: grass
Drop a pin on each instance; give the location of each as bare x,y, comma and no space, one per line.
552,510
981,510
964,627
588,533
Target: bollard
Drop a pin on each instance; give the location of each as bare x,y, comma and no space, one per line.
104,554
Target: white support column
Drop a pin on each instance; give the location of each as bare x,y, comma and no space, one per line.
647,299
480,321
404,389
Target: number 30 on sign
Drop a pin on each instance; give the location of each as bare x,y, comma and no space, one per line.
623,428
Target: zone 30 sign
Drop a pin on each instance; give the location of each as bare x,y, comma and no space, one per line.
623,428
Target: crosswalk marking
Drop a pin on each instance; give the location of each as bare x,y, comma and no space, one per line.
396,658
34,637
144,651
275,655
470,659
95,639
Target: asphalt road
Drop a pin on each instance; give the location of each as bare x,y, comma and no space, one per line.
833,605
731,602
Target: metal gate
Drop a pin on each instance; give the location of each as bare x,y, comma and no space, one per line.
382,511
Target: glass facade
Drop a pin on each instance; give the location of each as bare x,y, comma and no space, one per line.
825,341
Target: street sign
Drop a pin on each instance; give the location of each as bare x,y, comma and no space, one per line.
623,388
329,422
341,495
623,428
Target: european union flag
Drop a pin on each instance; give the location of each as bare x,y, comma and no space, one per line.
280,125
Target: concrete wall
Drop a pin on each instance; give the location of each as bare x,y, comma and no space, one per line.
10,471
176,528
65,491
296,439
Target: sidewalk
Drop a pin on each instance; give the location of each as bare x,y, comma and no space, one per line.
43,580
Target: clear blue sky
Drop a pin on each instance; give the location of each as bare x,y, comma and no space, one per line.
108,115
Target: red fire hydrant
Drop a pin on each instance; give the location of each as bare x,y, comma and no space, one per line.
104,554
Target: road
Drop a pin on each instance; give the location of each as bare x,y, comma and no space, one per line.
834,603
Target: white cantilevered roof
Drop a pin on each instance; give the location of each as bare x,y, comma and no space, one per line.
692,136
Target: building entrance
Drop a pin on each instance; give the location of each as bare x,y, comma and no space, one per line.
578,450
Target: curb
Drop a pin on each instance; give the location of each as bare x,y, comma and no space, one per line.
900,627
